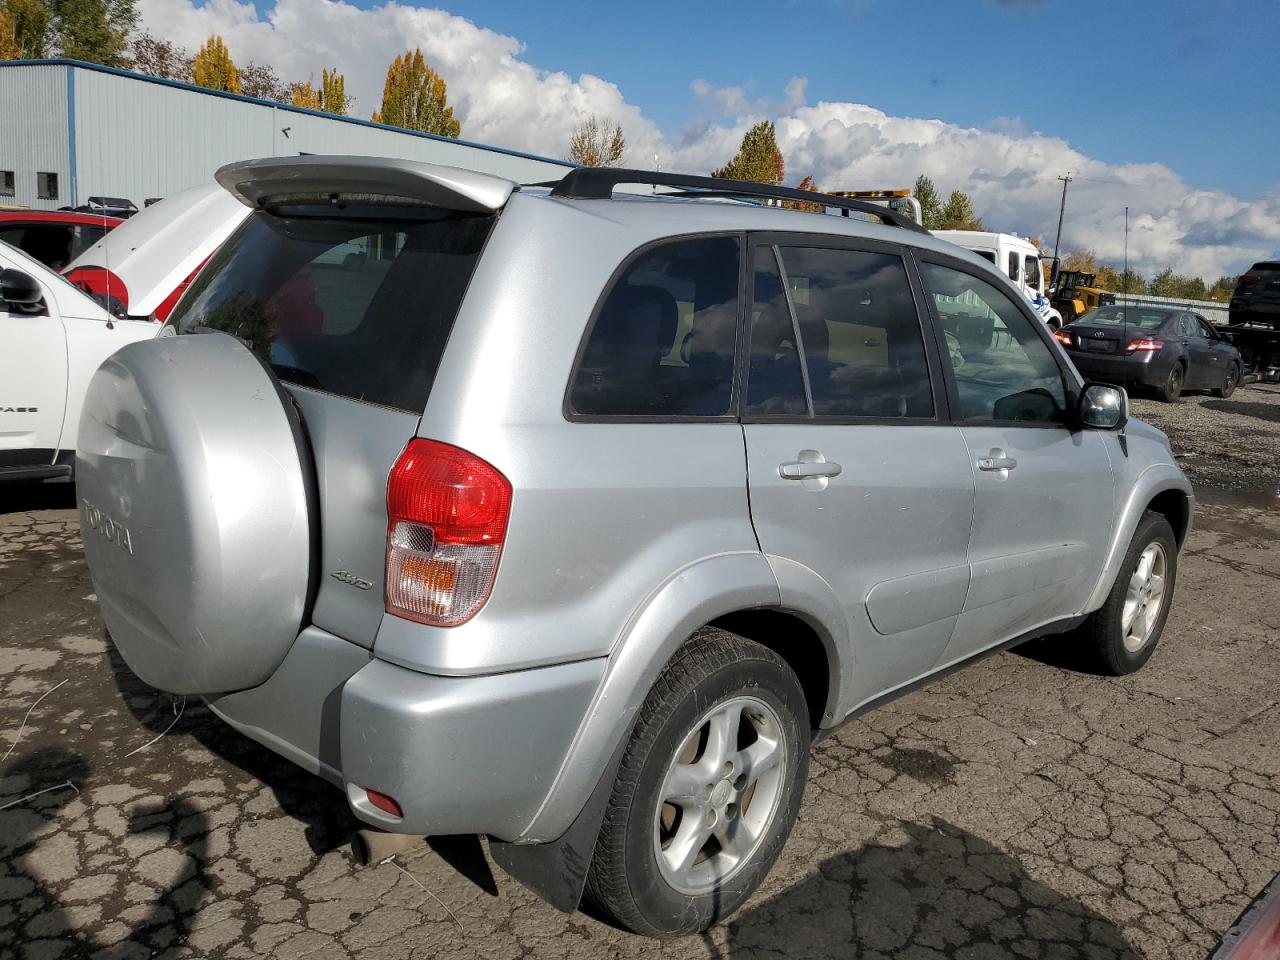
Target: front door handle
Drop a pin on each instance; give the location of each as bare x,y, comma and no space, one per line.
805,469
996,461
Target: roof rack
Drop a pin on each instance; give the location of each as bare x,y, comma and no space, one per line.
597,183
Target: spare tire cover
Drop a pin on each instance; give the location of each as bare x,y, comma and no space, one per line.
195,507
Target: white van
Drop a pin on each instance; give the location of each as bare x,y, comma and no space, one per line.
1014,256
53,337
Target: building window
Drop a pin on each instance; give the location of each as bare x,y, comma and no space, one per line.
47,186
6,183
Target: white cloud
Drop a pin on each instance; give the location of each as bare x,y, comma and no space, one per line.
502,99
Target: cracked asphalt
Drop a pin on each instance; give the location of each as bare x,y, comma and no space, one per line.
1015,809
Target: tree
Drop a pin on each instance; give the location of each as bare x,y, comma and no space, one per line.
593,144
1223,288
930,203
260,80
758,158
161,58
807,185
1166,283
96,31
28,25
415,97
329,97
9,49
213,68
1085,261
958,213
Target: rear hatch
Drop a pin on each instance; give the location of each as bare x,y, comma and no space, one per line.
344,285
1259,286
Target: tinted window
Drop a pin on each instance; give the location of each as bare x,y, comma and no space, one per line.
663,341
1138,317
859,333
1003,370
358,301
775,384
1014,266
1187,326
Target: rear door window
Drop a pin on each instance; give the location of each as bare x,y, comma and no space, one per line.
664,337
357,301
1004,371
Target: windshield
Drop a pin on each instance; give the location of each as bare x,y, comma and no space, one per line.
1140,318
357,301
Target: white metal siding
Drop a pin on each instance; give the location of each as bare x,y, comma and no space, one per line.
33,118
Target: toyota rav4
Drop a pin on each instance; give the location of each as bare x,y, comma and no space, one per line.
573,517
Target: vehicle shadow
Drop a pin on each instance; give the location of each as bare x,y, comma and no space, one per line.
1268,412
25,497
42,783
939,892
328,821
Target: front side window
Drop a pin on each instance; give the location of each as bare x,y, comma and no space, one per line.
664,338
1033,278
1003,369
47,186
1015,266
859,337
356,300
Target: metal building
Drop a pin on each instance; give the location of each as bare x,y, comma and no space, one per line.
73,130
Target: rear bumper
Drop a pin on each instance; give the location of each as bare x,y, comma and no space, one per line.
459,754
1146,369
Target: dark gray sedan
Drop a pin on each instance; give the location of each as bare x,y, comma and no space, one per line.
1166,348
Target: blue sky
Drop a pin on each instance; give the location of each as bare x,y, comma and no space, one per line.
1170,109
1194,85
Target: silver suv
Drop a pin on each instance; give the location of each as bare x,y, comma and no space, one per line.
574,519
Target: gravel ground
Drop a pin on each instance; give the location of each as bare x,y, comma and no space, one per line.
1016,809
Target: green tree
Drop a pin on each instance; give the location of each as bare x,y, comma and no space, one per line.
329,97
593,144
415,97
1223,288
758,158
930,203
213,67
93,30
28,26
1119,281
1166,283
958,213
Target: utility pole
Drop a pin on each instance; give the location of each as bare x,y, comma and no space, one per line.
1061,210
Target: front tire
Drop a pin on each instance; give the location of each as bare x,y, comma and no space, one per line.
1228,383
707,791
1121,635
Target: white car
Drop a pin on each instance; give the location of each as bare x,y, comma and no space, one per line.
1014,256
53,337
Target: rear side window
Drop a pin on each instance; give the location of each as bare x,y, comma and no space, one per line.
356,301
860,334
663,340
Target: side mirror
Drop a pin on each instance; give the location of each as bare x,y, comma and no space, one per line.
19,288
1103,407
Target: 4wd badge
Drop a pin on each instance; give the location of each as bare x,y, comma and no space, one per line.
342,576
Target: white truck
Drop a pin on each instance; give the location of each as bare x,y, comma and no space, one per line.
53,337
1017,258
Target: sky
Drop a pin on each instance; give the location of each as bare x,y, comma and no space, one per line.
1168,107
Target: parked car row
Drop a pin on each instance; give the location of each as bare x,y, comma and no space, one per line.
574,518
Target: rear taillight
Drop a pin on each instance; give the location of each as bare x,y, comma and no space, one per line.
1248,279
447,514
1144,345
1062,337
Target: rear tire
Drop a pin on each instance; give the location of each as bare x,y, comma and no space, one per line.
1171,389
1228,383
1120,636
727,722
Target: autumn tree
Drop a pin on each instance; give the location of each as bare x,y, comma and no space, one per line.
161,58
213,68
930,203
758,158
807,185
415,97
9,49
28,31
594,144
260,80
958,213
329,97
96,31
1084,261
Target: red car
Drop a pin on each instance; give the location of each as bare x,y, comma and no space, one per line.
54,237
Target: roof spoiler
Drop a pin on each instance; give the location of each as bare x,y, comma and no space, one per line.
255,182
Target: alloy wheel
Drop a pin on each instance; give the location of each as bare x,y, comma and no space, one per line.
1144,599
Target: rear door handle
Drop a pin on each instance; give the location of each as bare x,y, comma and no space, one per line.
805,470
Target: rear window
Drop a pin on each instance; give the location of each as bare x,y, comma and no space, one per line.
1135,317
357,301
